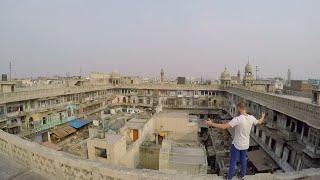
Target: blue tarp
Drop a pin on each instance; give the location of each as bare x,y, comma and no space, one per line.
78,123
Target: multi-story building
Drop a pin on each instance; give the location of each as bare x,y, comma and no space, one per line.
291,136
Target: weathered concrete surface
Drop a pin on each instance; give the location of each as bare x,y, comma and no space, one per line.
59,165
11,170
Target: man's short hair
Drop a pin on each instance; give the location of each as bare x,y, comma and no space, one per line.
241,105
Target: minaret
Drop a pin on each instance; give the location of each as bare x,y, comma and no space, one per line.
162,75
225,78
238,77
10,71
248,76
289,78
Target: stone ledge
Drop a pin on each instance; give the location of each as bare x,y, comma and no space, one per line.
60,165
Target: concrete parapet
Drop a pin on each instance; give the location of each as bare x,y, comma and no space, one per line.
59,165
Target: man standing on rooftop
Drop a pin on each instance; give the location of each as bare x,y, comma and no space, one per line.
242,125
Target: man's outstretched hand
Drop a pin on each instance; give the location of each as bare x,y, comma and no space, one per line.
261,120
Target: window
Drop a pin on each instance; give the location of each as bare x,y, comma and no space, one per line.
31,123
44,120
293,127
260,133
14,121
32,105
69,112
299,127
267,140
289,156
100,152
23,119
313,137
273,144
60,116
1,110
21,107
306,131
214,102
275,117
288,121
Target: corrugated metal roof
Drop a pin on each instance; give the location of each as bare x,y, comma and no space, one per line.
78,123
63,131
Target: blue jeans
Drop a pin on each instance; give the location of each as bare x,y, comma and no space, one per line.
234,155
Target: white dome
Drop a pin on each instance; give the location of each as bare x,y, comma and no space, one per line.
115,73
225,75
248,68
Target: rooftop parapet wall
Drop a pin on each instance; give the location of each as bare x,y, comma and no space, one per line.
305,112
64,90
43,93
170,86
59,165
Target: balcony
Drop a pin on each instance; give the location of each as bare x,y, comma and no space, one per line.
289,136
283,164
312,151
3,125
3,118
12,125
38,127
16,114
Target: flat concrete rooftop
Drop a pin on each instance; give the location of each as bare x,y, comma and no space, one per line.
136,123
295,98
187,155
112,138
174,114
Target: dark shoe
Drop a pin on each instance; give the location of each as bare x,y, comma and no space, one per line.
241,178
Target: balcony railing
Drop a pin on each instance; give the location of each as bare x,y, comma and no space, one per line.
42,93
38,127
305,112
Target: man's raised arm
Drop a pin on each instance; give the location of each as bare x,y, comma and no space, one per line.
261,120
209,123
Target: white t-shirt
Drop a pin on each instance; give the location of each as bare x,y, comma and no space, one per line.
242,128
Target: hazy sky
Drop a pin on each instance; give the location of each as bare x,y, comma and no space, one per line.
186,38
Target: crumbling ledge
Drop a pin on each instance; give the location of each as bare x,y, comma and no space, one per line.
60,165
